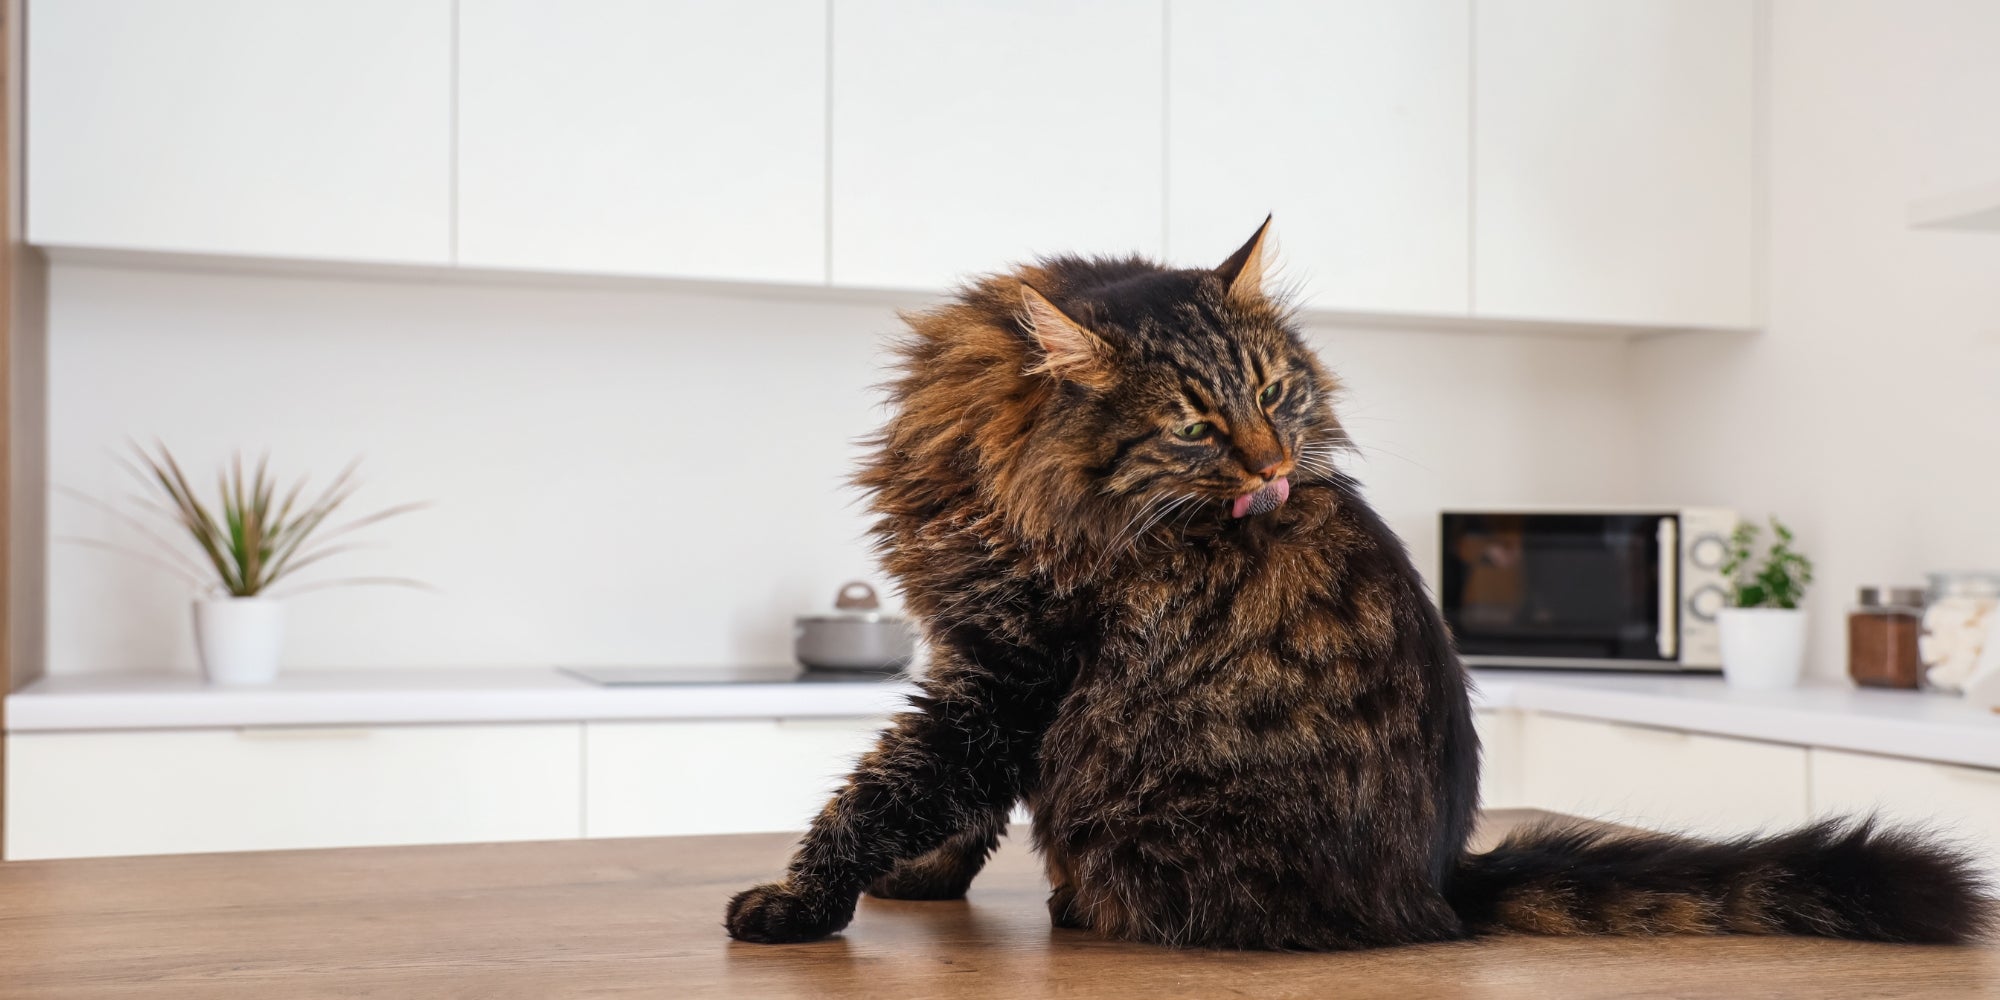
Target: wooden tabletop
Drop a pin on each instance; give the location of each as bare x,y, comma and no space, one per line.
614,918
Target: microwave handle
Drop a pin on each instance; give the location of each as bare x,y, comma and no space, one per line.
1669,634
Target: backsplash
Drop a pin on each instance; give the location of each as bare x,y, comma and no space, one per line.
641,475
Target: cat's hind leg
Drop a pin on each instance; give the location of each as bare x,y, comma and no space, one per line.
947,871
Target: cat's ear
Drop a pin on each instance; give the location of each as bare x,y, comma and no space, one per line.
1243,273
1068,350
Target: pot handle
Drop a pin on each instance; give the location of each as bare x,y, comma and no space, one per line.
856,596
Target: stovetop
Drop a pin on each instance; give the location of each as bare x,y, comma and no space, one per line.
756,674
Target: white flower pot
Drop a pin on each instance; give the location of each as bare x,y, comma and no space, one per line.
239,638
1763,649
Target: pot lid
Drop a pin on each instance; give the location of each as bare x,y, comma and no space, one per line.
856,602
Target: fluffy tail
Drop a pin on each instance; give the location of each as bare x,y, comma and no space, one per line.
1835,878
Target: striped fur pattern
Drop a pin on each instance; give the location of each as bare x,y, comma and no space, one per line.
1233,729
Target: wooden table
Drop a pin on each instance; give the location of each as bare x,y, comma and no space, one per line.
609,918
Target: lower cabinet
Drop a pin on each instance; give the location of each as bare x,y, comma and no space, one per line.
1500,760
1661,779
1962,803
168,792
161,792
646,779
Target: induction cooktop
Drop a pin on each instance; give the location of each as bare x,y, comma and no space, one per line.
755,674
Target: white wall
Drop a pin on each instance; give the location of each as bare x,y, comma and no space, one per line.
635,475
1868,414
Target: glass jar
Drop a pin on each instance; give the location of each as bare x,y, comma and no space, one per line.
1957,623
1882,635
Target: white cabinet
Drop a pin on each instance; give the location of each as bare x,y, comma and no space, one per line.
1615,161
971,135
1960,802
1661,779
89,794
312,128
636,137
1350,121
733,776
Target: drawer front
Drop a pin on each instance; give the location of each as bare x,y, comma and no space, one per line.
1500,759
1661,779
93,794
649,779
1961,802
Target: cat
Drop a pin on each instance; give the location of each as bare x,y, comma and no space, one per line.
1164,618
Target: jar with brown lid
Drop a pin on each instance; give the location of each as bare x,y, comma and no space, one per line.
1882,633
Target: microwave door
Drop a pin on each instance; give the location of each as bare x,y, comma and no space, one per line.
1561,589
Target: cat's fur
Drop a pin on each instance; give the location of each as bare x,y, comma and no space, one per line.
1232,731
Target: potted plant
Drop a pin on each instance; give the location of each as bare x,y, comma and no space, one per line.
1763,631
248,543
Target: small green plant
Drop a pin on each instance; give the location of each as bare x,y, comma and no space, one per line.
251,538
1779,580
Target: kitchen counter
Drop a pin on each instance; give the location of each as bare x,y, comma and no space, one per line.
597,918
397,697
1836,715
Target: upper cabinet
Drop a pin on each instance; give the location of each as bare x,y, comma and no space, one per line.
1615,161
634,137
317,130
1553,161
1350,121
970,135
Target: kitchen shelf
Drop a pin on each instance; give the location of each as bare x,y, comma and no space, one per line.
1973,210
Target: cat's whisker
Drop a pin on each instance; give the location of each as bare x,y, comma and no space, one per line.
1112,549
1167,504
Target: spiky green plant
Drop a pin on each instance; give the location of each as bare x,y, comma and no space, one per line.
1779,580
250,539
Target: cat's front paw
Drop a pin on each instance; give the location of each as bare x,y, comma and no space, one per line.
776,913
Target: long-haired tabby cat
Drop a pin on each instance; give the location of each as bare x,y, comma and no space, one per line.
1164,619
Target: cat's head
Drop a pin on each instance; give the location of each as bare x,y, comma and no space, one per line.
1092,398
1181,393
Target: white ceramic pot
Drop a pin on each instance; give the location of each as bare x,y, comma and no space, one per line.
239,638
1763,649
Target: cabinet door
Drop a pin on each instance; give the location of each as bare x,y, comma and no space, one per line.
736,776
1960,802
313,129
976,134
639,137
1661,779
90,794
1349,121
1615,161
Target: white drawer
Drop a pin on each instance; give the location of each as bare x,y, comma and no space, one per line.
1960,802
736,776
90,794
1661,779
1500,759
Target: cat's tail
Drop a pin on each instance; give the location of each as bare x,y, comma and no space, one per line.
1835,878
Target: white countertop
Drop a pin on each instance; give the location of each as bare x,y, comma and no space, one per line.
1896,723
384,697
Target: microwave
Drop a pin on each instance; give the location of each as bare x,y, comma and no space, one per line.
1593,589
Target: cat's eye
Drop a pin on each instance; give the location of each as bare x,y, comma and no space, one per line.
1269,395
1194,431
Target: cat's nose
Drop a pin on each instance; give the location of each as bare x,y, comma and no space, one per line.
1271,471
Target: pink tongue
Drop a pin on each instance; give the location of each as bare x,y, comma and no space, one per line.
1264,501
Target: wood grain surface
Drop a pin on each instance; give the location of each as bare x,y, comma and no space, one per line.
617,918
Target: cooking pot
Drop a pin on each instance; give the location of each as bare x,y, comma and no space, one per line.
856,635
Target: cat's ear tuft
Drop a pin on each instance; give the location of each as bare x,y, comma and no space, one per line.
1243,273
1068,350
